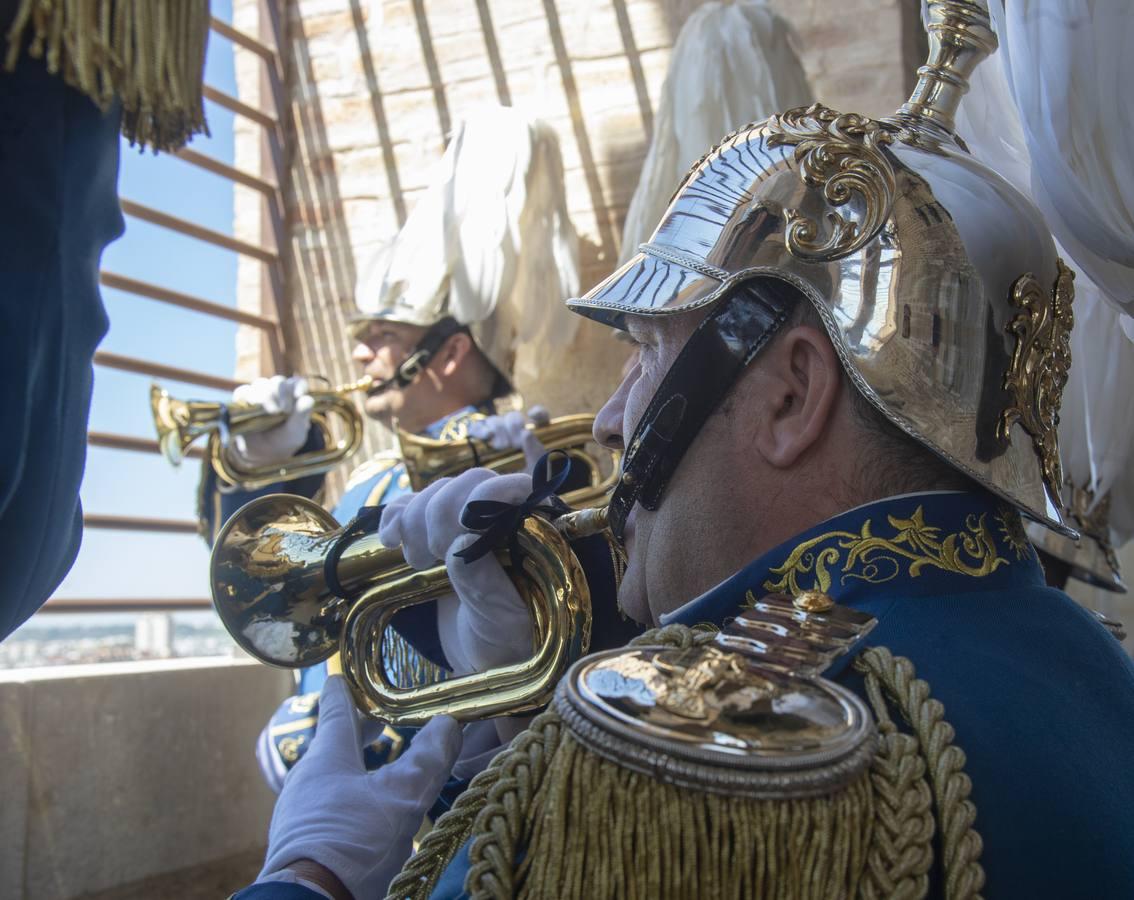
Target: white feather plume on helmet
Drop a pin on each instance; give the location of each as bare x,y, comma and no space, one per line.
1096,427
732,63
489,243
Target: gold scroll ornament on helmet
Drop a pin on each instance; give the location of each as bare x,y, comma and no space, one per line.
1040,365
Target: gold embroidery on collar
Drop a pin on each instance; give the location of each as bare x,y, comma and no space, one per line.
1012,530
876,559
457,428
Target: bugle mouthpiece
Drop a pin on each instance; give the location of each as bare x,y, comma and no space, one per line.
582,522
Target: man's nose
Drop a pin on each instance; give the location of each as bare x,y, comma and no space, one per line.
608,425
362,353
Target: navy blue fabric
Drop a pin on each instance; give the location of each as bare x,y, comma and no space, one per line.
610,628
59,174
451,884
1040,694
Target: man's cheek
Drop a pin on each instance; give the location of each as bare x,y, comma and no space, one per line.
636,403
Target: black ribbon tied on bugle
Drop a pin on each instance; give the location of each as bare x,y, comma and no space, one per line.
364,523
498,523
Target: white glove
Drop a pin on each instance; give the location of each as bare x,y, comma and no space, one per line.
485,623
277,395
358,824
510,432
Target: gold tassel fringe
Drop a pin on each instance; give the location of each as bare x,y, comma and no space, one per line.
149,53
596,824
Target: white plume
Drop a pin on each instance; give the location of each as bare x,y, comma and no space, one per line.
1067,62
1096,429
732,64
1061,70
489,242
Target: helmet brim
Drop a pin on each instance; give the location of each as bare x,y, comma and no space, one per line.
646,285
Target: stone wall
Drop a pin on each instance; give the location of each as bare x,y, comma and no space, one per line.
375,86
120,772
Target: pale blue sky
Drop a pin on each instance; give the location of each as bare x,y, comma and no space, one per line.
129,564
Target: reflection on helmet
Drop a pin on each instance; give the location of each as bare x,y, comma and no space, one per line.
937,281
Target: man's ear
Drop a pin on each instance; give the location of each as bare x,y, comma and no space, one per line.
453,352
799,384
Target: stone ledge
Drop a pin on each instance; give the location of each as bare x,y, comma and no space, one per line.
122,773
133,667
208,882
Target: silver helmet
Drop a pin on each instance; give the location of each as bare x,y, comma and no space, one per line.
937,281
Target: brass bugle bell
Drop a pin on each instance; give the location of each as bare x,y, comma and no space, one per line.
180,422
427,459
269,586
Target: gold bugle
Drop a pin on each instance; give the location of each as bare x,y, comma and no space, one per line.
427,459
270,589
180,422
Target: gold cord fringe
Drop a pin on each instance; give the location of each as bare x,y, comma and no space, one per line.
697,844
149,53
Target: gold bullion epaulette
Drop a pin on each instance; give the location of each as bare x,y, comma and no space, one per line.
721,764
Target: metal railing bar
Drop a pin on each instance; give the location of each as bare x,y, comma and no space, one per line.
136,444
209,164
185,301
159,370
220,98
268,54
139,523
124,604
191,229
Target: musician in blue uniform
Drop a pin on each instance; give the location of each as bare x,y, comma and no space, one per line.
439,315
852,341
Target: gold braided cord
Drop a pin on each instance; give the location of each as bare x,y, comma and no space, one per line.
901,849
419,876
149,53
681,637
960,843
500,829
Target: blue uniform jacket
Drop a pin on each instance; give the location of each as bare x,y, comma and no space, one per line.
1040,694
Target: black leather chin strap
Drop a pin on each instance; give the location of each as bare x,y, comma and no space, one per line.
729,338
430,343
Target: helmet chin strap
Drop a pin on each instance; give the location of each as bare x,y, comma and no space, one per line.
729,338
430,343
